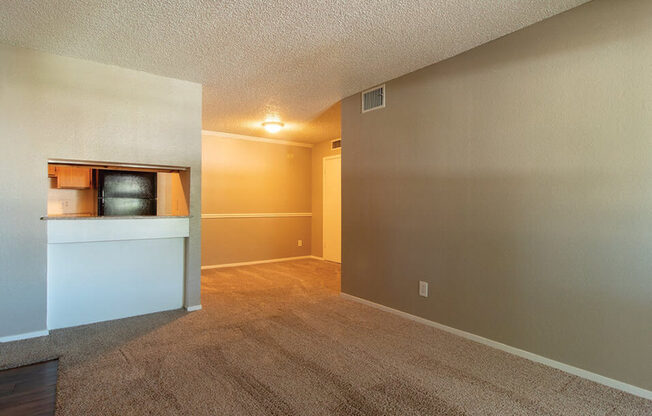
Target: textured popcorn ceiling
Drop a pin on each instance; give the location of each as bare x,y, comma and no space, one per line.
292,59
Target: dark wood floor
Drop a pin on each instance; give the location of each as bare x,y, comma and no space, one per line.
29,390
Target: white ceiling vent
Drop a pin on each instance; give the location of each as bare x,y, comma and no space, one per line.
336,144
373,99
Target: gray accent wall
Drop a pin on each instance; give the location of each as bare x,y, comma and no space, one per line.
64,108
516,179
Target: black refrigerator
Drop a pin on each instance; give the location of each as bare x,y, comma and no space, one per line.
121,193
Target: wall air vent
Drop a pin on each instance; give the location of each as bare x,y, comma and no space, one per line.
336,144
373,99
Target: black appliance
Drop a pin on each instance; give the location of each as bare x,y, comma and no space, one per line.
122,193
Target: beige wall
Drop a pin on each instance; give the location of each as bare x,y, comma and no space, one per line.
319,152
226,241
170,194
516,179
63,108
249,177
70,201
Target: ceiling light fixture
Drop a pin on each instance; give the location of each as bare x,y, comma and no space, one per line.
273,126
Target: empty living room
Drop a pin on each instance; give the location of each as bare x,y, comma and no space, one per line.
365,207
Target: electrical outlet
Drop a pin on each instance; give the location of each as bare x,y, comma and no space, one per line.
423,289
300,243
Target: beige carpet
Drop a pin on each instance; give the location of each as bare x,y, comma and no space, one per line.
276,339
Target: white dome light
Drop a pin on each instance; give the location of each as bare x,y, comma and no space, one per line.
273,126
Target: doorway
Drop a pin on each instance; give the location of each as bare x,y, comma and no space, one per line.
332,216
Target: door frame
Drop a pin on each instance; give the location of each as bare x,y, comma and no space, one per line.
323,198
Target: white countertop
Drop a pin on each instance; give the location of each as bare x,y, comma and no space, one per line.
125,217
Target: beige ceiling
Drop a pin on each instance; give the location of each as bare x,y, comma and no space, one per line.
294,59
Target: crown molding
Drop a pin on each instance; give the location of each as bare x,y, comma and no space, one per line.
254,138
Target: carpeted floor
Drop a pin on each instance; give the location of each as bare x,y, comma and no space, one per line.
276,339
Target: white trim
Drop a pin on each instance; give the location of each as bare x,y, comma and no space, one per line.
330,157
248,263
192,308
115,164
259,215
26,335
254,138
619,385
317,258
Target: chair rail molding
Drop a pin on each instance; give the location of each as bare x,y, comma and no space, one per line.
257,215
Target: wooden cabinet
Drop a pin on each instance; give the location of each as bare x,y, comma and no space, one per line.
72,177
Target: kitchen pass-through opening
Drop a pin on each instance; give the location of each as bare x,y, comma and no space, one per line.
90,189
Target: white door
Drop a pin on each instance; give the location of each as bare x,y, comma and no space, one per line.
332,232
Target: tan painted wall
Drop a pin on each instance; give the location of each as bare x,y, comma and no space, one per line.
319,151
70,201
242,177
171,198
226,241
64,108
516,178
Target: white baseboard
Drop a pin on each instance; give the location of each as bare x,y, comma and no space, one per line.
248,263
192,308
628,388
316,258
26,335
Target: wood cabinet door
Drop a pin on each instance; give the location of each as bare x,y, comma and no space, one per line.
73,177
